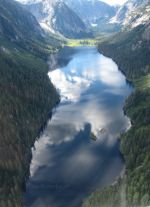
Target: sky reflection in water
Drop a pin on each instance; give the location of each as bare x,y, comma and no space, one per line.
67,164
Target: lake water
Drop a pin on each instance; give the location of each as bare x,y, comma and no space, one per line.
67,163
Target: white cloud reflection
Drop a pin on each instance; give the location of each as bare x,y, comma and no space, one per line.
70,87
79,108
73,83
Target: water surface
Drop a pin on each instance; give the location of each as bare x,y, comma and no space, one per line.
67,164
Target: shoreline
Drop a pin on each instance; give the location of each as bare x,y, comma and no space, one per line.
123,173
136,107
40,130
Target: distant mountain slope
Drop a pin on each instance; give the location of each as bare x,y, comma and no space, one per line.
17,25
57,17
68,23
92,10
95,13
21,27
26,96
133,13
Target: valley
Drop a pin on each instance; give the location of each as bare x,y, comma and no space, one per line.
75,103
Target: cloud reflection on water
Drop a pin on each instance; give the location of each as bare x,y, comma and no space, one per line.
93,92
71,81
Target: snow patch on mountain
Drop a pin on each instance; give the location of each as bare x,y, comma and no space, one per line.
56,17
132,14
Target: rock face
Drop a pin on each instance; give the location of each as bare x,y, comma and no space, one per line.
77,18
132,14
68,23
95,14
91,11
57,17
72,18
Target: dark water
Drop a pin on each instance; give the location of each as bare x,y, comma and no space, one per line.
67,164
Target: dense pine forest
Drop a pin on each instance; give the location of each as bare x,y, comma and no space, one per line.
131,51
26,96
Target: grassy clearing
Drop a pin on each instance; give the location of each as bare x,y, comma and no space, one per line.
83,42
87,42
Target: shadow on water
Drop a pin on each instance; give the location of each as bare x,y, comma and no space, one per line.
61,58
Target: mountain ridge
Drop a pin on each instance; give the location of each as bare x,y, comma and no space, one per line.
87,16
132,14
57,17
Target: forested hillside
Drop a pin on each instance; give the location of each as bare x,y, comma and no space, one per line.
26,96
131,51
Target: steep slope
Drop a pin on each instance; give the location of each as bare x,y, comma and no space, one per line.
26,96
95,14
131,46
133,13
90,11
21,26
57,17
66,22
131,51
15,25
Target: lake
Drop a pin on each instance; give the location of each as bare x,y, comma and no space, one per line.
78,151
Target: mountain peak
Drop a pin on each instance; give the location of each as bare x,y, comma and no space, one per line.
132,13
57,17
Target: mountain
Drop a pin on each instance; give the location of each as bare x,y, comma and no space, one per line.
18,26
92,10
57,17
102,17
132,43
21,27
73,19
26,96
95,14
132,13
68,23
